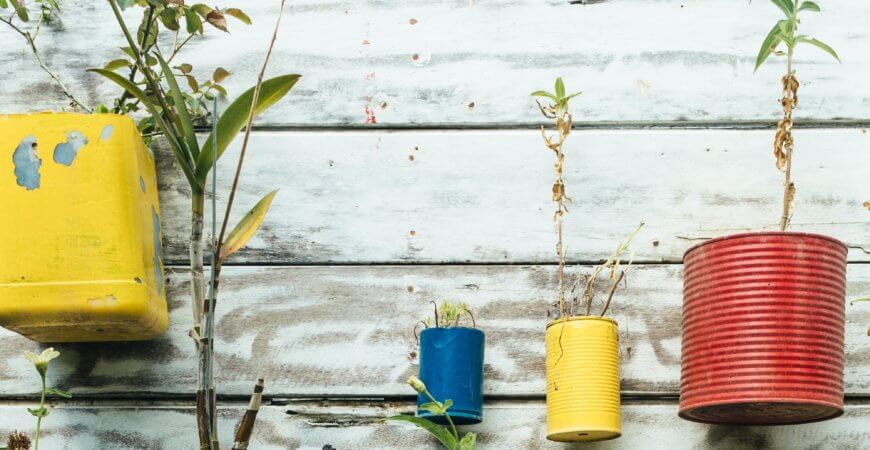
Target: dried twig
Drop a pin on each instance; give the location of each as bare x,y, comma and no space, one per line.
783,145
31,42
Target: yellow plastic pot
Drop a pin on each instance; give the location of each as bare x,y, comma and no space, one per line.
80,230
583,380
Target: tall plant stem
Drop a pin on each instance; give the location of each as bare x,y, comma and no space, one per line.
204,398
788,195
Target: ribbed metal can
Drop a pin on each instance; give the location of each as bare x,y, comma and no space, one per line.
583,379
763,329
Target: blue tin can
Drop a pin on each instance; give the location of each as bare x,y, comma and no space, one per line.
451,366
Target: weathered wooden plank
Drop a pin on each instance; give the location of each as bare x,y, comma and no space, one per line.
507,425
348,330
693,61
484,196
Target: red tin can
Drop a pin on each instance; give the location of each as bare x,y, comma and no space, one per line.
763,329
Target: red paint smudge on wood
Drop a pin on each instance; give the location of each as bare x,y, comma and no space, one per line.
370,115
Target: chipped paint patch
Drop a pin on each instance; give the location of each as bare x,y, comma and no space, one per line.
107,132
142,184
66,152
109,300
27,164
158,251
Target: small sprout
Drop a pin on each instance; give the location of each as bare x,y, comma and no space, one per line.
449,315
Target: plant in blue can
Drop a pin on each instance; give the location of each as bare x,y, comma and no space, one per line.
451,364
448,437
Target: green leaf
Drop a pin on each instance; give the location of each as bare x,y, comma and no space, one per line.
116,64
186,124
468,442
201,9
245,229
220,74
817,43
238,14
435,408
770,42
3,4
192,22
437,431
38,412
787,6
169,18
185,68
59,392
544,94
124,4
560,88
20,9
809,6
235,117
192,83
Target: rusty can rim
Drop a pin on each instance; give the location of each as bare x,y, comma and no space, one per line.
568,319
765,233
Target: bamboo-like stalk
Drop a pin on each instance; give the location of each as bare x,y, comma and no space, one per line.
246,424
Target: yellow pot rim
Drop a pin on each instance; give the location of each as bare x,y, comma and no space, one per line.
572,318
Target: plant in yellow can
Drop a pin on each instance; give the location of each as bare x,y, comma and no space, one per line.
582,347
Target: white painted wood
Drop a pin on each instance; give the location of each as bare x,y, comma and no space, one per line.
484,196
326,331
507,425
648,60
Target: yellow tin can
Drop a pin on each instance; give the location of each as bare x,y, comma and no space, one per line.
80,231
583,379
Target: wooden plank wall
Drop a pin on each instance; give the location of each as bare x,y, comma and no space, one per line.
447,197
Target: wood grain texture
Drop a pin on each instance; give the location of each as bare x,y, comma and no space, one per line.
484,196
514,424
694,61
348,330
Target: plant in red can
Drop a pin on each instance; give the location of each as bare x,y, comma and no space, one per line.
764,312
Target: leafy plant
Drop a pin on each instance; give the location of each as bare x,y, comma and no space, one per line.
449,315
174,114
40,362
447,437
558,110
785,32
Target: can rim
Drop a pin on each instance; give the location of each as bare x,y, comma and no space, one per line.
472,329
568,319
764,233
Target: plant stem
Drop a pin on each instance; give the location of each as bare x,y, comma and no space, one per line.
39,418
788,194
204,398
612,291
126,95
